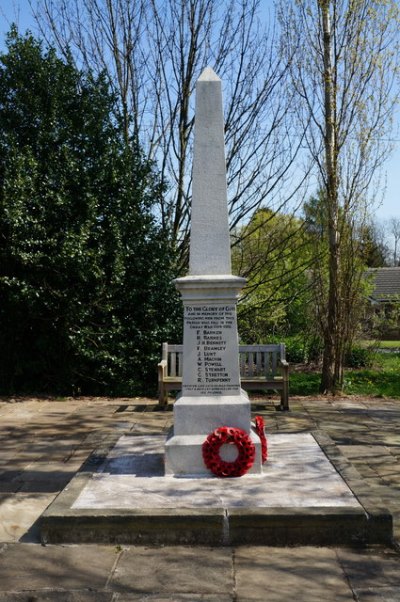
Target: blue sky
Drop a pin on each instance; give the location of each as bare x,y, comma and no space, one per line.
20,12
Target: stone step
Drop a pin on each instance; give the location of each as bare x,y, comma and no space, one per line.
121,496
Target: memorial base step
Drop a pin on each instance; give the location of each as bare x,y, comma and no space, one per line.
184,457
308,494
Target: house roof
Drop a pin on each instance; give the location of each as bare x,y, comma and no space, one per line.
386,283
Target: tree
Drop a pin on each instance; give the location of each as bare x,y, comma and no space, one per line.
153,53
359,247
84,268
394,231
343,68
275,256
374,252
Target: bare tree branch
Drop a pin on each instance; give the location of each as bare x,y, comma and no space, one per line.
153,52
344,67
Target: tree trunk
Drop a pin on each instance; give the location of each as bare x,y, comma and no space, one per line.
330,369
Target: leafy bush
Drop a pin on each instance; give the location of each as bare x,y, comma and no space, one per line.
359,357
85,271
304,383
296,350
382,381
299,349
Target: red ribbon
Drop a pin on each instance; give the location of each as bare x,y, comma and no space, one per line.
260,430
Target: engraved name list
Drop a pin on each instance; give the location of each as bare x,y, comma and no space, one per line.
210,329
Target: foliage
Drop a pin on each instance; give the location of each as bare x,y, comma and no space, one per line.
359,357
380,380
84,267
383,319
351,286
302,349
357,247
304,383
274,255
373,250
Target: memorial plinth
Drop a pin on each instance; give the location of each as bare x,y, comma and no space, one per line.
211,395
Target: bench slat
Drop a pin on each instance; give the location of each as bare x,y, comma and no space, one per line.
252,355
260,357
274,362
268,369
175,348
242,363
172,366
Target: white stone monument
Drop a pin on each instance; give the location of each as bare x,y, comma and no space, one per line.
211,394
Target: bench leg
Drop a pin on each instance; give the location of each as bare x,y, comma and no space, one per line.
162,396
285,397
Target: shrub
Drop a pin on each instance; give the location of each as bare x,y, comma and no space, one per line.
296,350
299,349
359,357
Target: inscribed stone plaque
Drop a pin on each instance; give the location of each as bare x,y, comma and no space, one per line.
212,365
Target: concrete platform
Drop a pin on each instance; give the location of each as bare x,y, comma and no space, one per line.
122,496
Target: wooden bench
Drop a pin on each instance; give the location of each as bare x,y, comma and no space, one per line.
262,368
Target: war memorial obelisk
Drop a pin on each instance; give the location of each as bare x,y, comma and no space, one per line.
211,394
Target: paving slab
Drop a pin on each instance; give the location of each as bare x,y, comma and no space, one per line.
303,574
371,567
19,512
8,484
174,570
28,567
381,594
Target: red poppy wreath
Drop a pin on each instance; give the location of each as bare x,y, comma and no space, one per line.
231,436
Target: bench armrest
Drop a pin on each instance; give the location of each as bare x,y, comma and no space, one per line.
285,366
162,369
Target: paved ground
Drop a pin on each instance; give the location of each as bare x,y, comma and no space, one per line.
43,444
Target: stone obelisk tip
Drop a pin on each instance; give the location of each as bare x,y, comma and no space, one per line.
209,75
209,238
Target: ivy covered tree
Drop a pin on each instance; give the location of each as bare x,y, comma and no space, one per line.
85,293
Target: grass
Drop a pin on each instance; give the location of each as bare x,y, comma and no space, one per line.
379,344
381,380
388,344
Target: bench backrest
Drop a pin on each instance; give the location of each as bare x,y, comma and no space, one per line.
254,360
173,354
